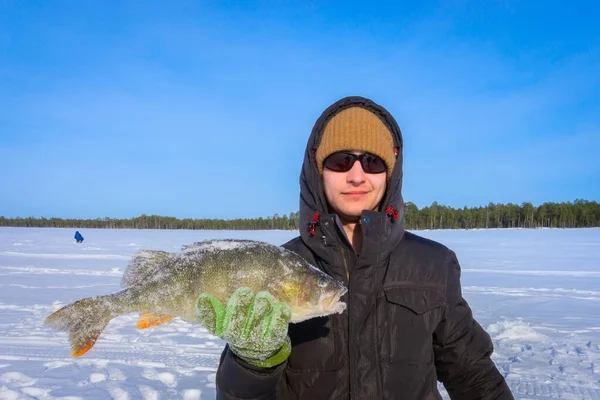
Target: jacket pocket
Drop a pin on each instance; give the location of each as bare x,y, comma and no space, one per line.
412,312
314,346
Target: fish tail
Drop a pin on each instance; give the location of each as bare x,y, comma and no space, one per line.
84,319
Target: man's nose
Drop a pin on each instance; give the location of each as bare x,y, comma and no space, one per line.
356,173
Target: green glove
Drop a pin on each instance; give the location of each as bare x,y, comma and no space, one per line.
255,327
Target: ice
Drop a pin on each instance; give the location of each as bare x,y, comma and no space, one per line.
536,292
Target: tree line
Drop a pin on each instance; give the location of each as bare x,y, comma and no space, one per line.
287,222
577,214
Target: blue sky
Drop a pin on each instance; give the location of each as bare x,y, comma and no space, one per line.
202,109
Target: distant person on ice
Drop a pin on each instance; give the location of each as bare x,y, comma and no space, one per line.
406,325
78,237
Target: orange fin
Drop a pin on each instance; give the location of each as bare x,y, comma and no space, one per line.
148,320
81,349
84,320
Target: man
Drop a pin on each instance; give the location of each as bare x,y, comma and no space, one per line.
78,237
406,324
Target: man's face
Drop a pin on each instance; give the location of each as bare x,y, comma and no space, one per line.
351,192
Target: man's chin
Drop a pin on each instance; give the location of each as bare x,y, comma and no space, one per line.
351,216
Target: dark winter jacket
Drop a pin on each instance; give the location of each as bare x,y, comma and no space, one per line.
406,325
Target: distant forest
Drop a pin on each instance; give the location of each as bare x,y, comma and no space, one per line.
579,214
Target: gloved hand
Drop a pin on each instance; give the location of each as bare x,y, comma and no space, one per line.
255,327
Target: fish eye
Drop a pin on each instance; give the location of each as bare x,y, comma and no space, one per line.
322,282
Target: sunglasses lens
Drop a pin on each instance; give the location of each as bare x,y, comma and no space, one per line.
339,162
343,162
372,164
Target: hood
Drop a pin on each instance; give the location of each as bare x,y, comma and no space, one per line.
318,228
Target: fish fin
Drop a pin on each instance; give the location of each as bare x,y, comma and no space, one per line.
143,266
81,345
84,319
212,244
148,320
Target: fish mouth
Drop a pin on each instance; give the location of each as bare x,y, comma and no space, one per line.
333,302
328,304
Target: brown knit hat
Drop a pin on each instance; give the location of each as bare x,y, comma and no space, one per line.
357,128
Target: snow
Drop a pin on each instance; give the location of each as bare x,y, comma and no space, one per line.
96,377
536,292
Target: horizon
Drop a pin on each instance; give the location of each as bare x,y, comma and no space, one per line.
287,213
203,111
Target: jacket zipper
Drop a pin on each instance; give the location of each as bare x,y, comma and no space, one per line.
347,269
345,264
345,258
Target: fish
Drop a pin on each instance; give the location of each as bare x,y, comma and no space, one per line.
165,285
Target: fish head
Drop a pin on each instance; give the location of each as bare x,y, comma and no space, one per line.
313,294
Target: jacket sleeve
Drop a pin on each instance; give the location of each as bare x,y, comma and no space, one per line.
237,379
463,348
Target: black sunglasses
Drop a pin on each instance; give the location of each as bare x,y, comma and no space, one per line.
343,161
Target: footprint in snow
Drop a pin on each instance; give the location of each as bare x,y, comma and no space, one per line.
17,379
118,393
167,378
192,394
115,374
148,393
36,393
97,377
